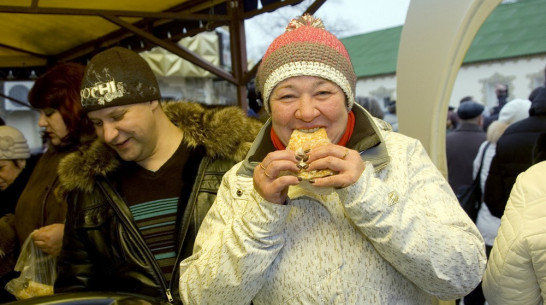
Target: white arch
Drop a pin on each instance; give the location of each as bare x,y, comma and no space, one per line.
434,41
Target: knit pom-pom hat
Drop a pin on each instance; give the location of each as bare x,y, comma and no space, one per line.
306,48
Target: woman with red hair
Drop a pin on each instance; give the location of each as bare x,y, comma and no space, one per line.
40,210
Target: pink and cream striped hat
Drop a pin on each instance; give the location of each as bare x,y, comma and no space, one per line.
306,48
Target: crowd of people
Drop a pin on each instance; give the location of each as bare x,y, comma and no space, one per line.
193,204
509,139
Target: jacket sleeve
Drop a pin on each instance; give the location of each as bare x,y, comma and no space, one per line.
237,242
516,271
411,216
74,268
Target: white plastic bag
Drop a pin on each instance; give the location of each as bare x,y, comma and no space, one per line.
38,272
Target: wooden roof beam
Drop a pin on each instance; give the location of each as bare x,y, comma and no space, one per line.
118,13
173,48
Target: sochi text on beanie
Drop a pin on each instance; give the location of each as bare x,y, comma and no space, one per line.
116,77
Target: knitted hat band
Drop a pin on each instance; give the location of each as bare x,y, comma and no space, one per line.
307,69
306,49
13,145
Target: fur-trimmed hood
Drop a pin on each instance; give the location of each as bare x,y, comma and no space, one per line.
224,131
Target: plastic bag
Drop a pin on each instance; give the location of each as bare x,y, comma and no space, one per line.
38,272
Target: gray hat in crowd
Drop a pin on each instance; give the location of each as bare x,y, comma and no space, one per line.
469,110
116,77
13,145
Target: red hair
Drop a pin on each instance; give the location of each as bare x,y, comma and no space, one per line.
59,88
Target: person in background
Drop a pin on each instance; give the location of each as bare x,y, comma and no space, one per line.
516,271
371,105
501,92
463,143
40,210
16,164
138,194
385,229
514,155
513,111
390,116
255,106
452,120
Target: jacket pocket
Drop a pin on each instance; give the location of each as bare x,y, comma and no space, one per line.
93,216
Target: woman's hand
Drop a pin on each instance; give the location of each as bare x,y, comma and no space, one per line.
49,238
345,161
269,183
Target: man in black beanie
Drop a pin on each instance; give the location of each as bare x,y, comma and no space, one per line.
138,194
463,144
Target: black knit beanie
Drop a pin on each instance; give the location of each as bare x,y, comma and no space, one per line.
116,77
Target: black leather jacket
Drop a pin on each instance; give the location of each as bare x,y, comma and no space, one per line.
103,249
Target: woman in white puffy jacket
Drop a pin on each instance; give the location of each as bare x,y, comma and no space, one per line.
516,271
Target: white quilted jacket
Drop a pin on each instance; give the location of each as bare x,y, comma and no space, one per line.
516,272
396,236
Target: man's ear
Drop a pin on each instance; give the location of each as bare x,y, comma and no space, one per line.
154,104
481,120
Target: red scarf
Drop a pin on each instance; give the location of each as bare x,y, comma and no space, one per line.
343,141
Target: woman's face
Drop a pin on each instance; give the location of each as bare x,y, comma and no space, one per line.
52,122
307,102
9,170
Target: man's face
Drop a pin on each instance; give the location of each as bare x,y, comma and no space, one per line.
502,92
130,130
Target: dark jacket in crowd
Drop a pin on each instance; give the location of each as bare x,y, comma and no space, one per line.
9,196
462,145
39,204
9,247
102,248
514,155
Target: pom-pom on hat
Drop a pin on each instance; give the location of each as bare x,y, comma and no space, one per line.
306,48
13,145
116,77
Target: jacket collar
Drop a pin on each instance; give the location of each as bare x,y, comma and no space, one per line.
224,132
366,138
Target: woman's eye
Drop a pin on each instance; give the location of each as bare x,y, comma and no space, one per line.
97,123
49,113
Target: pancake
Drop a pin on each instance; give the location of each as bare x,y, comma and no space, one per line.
300,142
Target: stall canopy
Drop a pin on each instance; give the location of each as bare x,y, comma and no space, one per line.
35,34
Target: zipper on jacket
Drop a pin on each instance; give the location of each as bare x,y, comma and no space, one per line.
183,231
141,243
169,296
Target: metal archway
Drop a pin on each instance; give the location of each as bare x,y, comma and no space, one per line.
434,41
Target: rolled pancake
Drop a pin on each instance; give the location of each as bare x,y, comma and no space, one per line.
301,141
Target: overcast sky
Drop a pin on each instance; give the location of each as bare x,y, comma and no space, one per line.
342,17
